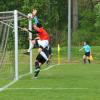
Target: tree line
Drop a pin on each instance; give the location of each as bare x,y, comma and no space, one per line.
53,14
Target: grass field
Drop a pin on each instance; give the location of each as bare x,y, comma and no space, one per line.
68,81
59,82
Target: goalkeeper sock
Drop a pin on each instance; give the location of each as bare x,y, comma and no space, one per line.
31,46
37,69
44,55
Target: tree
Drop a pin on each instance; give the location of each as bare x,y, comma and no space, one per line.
97,11
74,15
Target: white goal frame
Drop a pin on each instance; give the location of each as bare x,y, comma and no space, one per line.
16,43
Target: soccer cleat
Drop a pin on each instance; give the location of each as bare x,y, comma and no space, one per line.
34,77
27,53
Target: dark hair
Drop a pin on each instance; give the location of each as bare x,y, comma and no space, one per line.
39,25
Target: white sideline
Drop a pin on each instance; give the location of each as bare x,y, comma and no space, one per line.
47,88
14,81
6,86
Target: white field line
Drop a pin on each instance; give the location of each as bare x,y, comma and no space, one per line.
48,67
8,85
47,88
14,81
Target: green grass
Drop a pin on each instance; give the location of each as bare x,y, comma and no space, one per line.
62,82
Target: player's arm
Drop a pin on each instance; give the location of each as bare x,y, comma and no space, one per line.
37,38
34,12
31,31
81,49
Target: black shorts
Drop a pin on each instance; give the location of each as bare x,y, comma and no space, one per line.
46,51
40,58
87,54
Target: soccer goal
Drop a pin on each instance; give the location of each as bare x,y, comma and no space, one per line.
13,43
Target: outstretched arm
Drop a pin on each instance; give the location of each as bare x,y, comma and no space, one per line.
34,12
81,49
27,30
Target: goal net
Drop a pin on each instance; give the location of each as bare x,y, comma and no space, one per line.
13,44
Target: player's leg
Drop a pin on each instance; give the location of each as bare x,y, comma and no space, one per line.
43,54
84,59
49,54
43,45
39,61
37,69
32,42
88,57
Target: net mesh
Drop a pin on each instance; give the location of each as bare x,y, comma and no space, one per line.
6,47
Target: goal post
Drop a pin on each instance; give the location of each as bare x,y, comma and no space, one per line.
69,30
30,36
16,42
